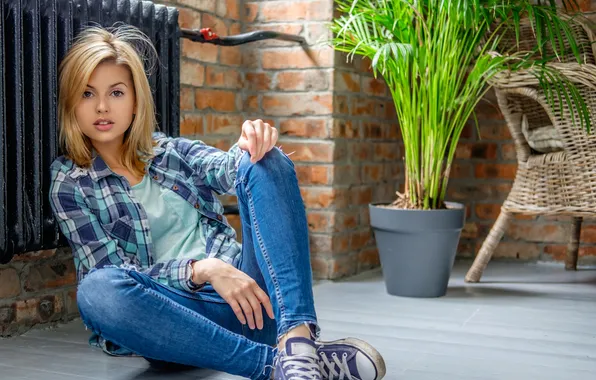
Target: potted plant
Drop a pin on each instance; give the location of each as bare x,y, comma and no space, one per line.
439,58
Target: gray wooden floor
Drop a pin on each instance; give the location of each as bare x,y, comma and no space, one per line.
522,322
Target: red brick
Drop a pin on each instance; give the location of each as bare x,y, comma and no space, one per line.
368,258
320,244
361,195
345,220
476,150
488,211
460,170
297,58
189,19
199,51
494,131
559,252
218,100
295,10
488,111
537,232
347,174
258,81
386,151
317,32
192,73
485,191
343,267
71,302
392,171
231,56
360,239
319,221
372,173
346,82
309,80
341,105
374,87
203,5
346,129
223,77
320,267
251,11
514,250
309,151
366,106
187,99
505,171
233,9
10,283
34,255
361,151
235,28
224,124
470,231
313,175
251,103
312,128
508,152
373,130
50,275
588,233
41,309
191,124
216,24
298,104
324,197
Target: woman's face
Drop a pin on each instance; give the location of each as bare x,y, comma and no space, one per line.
106,108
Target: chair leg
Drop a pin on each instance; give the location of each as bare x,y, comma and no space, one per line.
573,246
488,247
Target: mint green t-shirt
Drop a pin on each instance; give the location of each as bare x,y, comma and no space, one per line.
173,222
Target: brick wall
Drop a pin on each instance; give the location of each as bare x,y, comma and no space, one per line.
37,287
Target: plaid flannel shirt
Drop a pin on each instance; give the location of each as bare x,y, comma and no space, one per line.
105,226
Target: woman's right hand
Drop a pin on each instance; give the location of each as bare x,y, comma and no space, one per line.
238,289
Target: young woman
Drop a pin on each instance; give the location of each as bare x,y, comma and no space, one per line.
160,272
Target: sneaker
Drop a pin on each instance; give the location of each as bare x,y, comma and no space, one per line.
299,361
350,359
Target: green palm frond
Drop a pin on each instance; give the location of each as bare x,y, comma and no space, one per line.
438,58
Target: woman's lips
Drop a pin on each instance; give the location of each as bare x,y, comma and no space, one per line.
104,127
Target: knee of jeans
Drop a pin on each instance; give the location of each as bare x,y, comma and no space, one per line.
98,293
273,162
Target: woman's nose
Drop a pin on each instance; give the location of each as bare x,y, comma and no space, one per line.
102,106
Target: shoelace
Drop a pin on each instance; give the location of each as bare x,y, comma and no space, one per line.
302,367
328,367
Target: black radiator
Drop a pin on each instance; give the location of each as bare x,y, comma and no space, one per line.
34,37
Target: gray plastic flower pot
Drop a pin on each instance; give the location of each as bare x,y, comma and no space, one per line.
417,248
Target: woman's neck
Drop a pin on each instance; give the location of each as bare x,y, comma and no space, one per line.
110,152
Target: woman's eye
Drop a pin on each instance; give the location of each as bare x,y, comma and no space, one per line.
117,93
87,94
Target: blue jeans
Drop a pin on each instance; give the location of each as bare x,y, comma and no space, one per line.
164,324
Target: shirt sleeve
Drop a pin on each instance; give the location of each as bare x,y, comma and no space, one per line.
93,247
217,168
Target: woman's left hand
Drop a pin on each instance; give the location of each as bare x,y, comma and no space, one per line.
257,138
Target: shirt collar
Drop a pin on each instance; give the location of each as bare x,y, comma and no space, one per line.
99,169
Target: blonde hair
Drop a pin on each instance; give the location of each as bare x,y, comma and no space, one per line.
124,45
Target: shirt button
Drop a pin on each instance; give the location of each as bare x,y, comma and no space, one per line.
155,177
175,188
219,217
197,205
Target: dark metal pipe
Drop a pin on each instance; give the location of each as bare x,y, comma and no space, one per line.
206,35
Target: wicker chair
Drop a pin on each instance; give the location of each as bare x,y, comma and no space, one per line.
557,180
